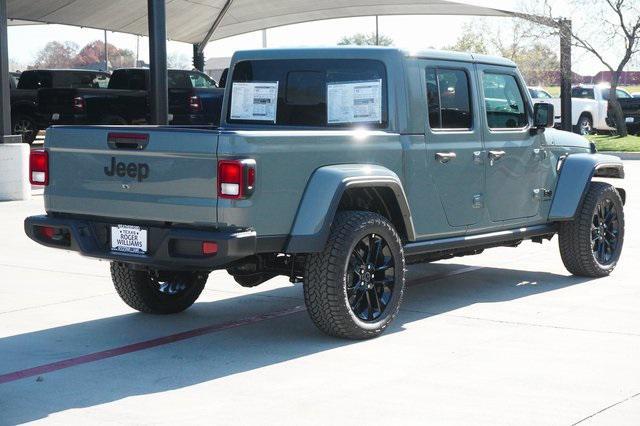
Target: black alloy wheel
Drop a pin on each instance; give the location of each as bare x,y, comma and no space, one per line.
372,277
605,232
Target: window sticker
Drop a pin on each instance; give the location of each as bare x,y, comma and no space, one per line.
354,102
254,101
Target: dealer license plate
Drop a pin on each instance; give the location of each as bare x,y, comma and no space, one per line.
129,239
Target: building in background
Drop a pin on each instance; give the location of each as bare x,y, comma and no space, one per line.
214,67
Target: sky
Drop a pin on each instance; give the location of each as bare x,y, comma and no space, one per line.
408,32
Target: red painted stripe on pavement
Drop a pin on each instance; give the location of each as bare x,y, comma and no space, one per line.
160,341
147,344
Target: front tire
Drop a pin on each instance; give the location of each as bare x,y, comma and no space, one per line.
168,293
585,125
354,288
591,244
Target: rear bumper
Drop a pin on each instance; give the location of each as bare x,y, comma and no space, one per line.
168,247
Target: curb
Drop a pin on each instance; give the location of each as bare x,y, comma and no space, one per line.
623,155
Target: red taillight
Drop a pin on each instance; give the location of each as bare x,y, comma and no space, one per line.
48,232
195,104
78,104
39,167
236,178
209,248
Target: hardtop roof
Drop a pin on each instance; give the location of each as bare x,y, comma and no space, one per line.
369,52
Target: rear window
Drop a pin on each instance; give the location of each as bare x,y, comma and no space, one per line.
33,80
80,80
309,93
582,93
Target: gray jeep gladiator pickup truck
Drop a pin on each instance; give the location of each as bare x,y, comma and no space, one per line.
336,167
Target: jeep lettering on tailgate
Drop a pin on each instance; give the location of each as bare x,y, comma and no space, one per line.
133,170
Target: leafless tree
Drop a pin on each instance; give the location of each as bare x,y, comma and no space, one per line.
610,31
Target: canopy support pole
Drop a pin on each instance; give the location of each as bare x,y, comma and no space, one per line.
158,82
198,58
214,26
5,91
566,74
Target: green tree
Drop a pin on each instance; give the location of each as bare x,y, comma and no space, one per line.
365,39
471,40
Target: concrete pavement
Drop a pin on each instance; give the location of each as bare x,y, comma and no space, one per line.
507,337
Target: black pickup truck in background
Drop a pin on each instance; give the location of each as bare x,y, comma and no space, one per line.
194,99
25,119
631,111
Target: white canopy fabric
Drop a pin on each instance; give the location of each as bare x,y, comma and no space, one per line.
190,20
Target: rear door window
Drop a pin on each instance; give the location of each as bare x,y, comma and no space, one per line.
504,102
448,99
301,88
179,80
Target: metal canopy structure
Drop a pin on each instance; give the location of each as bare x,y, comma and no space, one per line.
190,21
201,21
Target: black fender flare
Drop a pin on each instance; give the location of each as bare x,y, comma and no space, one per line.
322,196
576,173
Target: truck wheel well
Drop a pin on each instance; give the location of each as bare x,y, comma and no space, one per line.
380,200
586,114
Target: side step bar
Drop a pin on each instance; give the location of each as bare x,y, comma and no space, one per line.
471,241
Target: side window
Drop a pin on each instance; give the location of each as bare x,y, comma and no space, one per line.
504,102
448,99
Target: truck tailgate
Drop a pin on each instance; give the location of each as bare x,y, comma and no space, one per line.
134,173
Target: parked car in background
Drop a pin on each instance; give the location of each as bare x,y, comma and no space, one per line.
631,111
25,119
334,167
590,107
194,99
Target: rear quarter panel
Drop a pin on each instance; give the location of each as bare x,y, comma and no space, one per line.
285,162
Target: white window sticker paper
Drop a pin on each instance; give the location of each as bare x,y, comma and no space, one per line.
254,101
354,102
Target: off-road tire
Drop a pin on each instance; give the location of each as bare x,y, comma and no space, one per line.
138,289
584,122
23,122
575,236
325,291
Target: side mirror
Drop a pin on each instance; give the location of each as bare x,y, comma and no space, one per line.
543,116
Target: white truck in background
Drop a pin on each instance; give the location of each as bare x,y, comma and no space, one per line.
590,103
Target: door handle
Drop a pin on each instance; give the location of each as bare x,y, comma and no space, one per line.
445,157
540,154
495,156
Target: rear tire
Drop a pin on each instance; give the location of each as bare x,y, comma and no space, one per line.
591,244
354,288
25,126
141,290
